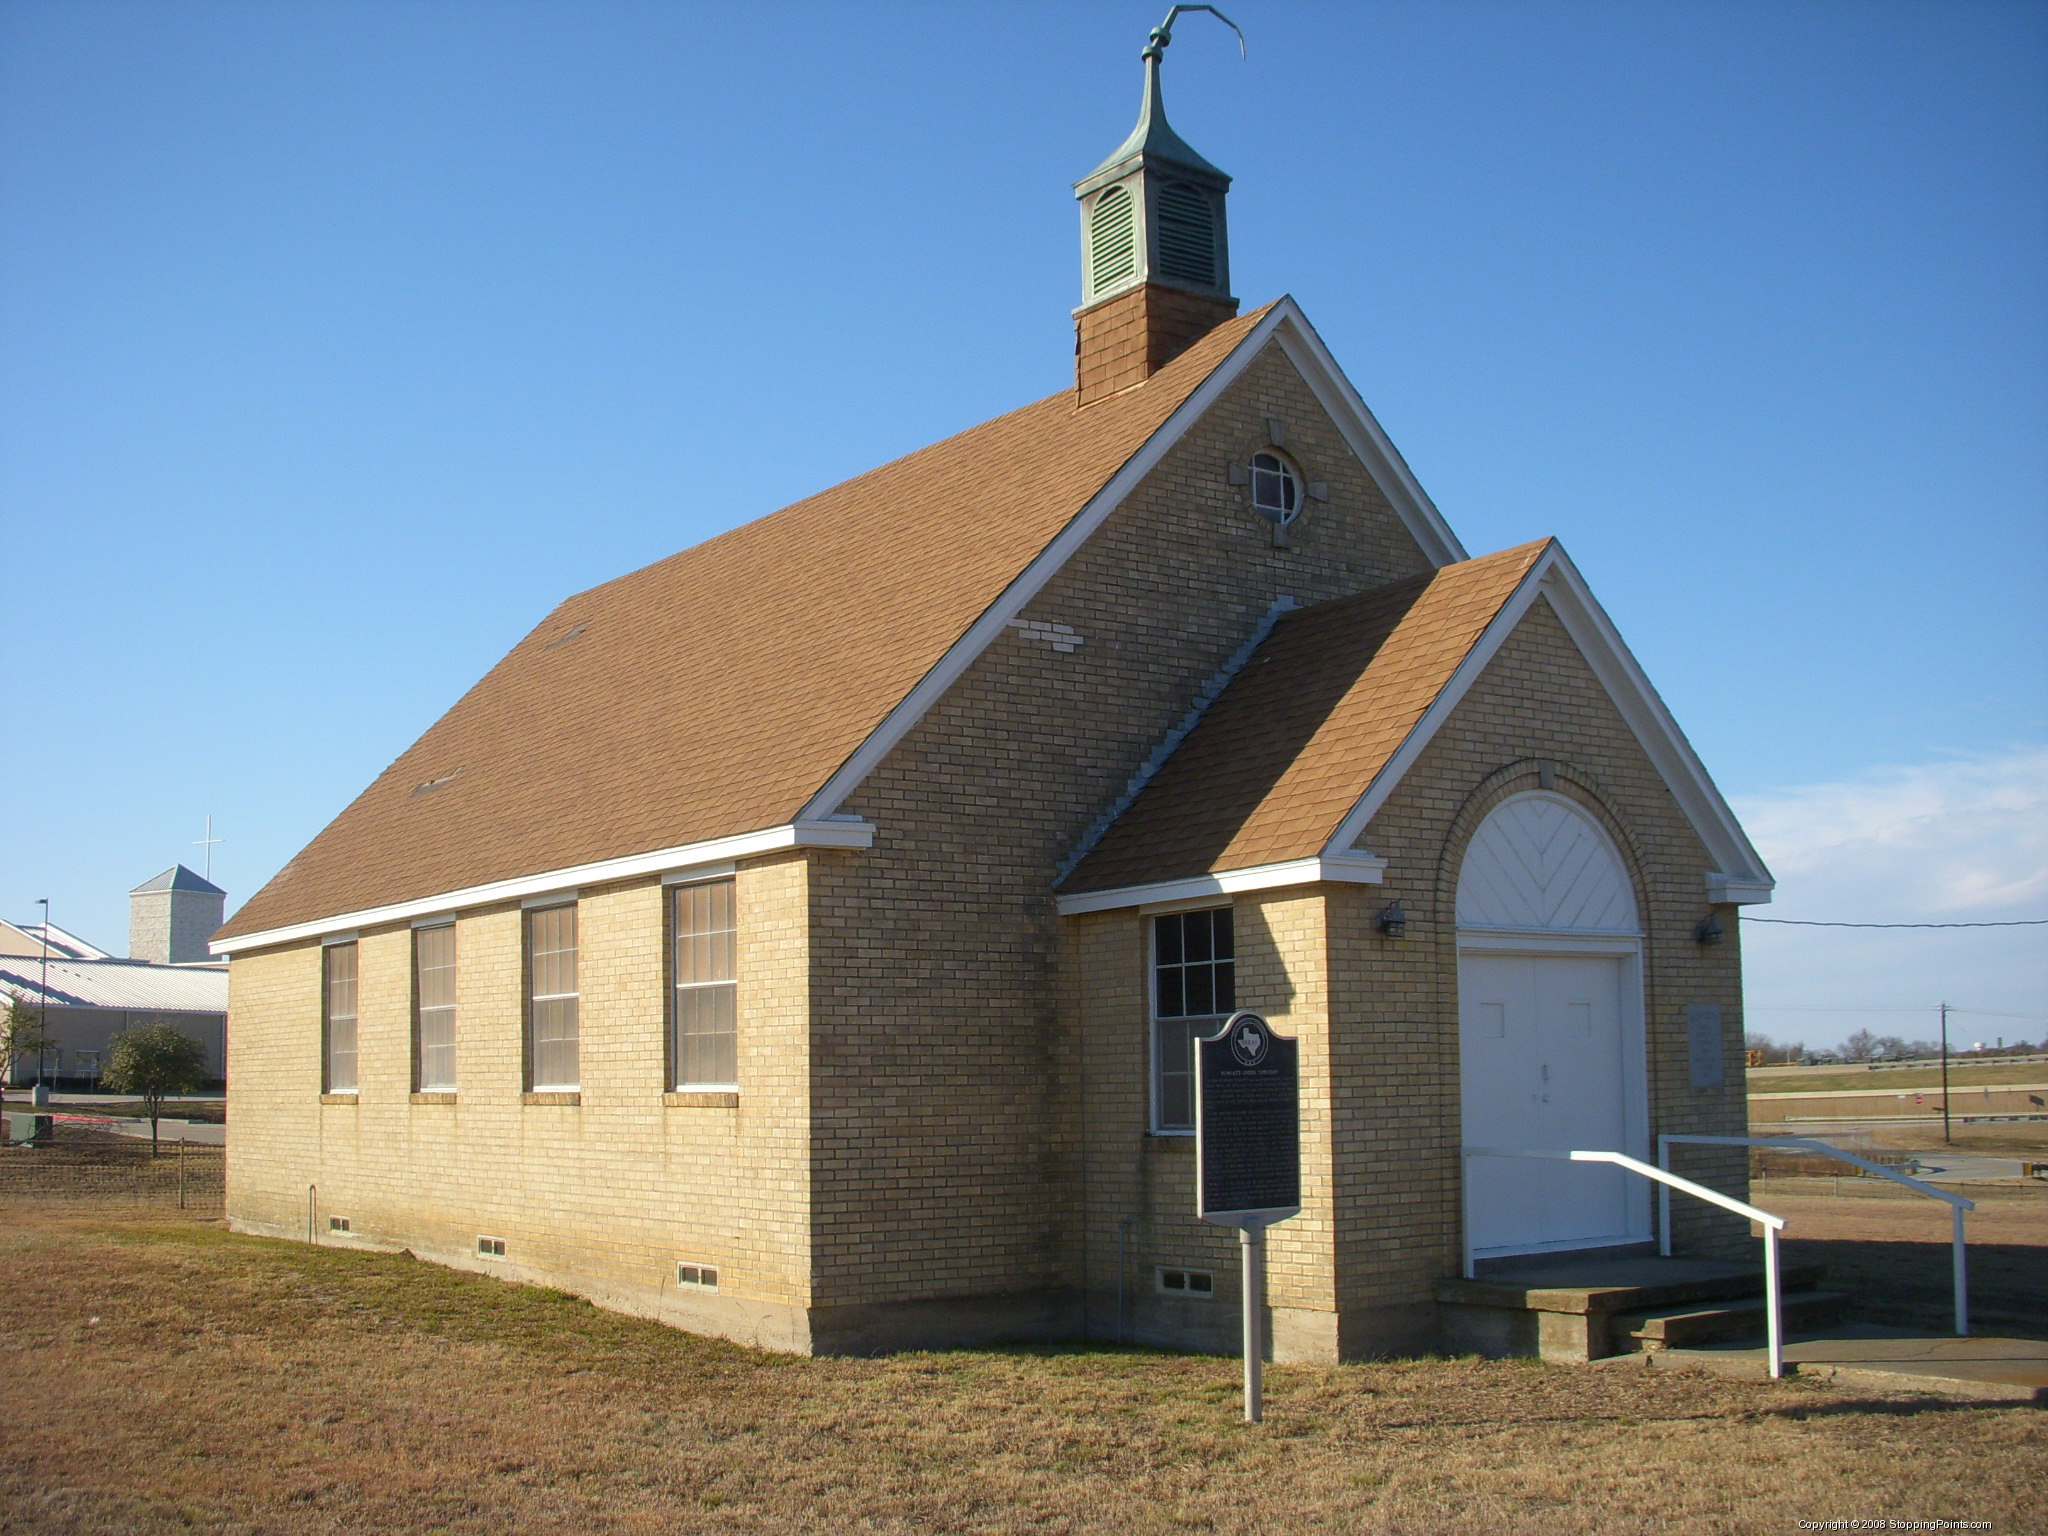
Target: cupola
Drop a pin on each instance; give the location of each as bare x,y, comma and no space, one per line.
1155,256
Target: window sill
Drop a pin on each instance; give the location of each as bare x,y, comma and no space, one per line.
569,1097
1185,1137
702,1098
433,1098
337,1098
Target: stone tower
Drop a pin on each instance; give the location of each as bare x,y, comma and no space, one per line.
171,917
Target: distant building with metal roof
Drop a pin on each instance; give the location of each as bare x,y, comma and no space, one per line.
30,938
89,997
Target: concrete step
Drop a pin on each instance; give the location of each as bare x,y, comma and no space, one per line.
1739,1318
1620,1285
1562,1309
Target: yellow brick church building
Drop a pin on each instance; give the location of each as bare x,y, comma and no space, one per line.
802,939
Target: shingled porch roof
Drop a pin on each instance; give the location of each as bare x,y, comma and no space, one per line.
717,691
1320,709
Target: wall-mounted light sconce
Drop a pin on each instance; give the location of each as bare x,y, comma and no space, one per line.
1708,930
1393,921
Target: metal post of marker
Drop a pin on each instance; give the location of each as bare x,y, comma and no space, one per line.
1248,1159
1251,1238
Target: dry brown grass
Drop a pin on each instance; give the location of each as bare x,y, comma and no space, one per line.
164,1376
1987,1138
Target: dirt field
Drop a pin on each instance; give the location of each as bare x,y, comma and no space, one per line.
81,1162
160,1375
1890,1249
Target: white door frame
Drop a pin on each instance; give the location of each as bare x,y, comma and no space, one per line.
1635,1075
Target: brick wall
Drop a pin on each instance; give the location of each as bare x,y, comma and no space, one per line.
942,1128
948,1155
605,1196
1378,1023
1537,702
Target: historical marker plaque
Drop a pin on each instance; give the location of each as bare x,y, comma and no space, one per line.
1247,1124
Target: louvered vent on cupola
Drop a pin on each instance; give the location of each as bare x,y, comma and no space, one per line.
1187,235
1113,240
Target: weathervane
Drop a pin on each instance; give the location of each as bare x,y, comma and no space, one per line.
1162,34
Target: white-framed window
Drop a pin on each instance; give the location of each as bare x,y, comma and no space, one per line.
704,1001
551,999
338,1018
1276,488
1194,987
433,993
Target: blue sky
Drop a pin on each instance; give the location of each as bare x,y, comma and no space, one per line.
339,341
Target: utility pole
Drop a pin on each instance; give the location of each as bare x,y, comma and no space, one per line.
1944,1075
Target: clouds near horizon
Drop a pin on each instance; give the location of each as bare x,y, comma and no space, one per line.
1956,841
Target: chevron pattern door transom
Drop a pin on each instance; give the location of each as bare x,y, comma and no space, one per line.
1540,863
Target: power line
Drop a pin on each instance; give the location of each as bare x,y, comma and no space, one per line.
1975,1013
1794,922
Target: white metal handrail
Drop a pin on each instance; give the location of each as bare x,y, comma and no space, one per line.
1772,1225
1957,1204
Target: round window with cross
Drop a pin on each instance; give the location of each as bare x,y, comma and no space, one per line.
1276,489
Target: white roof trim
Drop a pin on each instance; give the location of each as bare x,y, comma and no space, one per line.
844,833
1368,440
1741,877
1318,369
1733,888
1357,868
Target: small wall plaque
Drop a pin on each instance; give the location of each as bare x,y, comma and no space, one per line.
1703,1041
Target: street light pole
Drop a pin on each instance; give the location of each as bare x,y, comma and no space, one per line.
1944,1075
43,1002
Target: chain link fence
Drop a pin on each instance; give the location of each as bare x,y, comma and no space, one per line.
62,1160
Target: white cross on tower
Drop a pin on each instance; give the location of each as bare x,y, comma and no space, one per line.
207,843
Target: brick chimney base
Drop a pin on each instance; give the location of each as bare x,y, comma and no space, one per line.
1126,339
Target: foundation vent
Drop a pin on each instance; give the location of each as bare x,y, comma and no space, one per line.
491,1247
699,1277
338,1224
1196,1284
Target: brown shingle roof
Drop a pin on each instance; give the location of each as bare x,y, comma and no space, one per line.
1321,707
716,691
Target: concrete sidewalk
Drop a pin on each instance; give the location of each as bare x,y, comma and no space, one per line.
197,1132
1890,1360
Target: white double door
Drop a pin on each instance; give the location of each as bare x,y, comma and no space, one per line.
1551,1060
